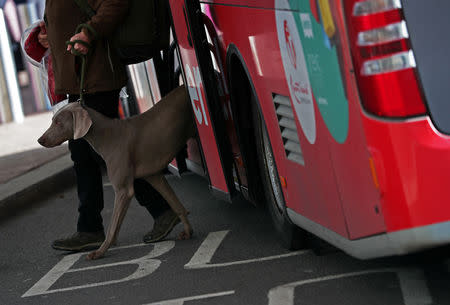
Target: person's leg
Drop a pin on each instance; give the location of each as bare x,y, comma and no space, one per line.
90,233
87,164
149,198
89,186
164,218
107,103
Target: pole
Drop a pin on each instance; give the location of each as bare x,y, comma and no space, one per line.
9,73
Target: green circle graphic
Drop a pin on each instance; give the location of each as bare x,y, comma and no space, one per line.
324,70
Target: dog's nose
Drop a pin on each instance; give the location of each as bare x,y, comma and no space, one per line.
41,141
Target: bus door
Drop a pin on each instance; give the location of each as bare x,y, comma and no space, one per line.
201,82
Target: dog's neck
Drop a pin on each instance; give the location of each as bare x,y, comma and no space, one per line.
103,132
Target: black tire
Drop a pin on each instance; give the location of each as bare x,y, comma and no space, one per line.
291,236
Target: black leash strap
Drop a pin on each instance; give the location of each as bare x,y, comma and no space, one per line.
82,56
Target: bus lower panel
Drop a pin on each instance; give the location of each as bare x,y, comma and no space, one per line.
389,244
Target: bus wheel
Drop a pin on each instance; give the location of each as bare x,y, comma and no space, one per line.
292,237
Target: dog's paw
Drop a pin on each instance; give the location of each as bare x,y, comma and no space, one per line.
94,255
184,235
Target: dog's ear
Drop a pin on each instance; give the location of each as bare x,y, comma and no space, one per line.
81,122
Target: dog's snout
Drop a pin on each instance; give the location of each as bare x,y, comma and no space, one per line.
41,141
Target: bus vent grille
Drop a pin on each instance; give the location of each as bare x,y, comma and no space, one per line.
288,128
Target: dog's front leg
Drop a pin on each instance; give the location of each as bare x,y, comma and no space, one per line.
121,204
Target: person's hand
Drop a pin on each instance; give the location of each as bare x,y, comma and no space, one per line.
42,36
78,46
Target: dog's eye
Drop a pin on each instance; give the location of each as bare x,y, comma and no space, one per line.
57,122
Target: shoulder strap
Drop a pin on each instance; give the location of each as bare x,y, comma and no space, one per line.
85,8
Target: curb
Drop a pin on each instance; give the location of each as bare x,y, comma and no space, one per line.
28,189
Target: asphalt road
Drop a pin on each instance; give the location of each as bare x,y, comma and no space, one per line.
234,258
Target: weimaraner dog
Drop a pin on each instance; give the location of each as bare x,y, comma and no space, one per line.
138,147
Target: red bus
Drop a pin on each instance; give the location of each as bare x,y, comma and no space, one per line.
333,112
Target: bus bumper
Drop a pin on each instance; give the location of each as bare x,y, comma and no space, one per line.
387,244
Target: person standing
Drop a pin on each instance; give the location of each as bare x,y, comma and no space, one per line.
105,76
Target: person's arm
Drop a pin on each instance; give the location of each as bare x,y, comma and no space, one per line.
108,16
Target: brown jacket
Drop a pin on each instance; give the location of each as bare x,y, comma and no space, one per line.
62,18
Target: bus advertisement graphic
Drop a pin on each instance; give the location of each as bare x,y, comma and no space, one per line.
296,76
312,35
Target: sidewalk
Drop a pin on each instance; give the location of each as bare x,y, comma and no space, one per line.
29,171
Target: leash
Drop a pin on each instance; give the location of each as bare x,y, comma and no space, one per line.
81,55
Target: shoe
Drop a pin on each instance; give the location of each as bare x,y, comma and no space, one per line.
80,241
164,224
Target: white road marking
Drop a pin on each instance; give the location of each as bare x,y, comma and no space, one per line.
207,249
181,301
202,258
414,289
146,265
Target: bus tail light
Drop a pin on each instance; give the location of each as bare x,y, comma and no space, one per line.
383,59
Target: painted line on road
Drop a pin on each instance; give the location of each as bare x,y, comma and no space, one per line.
202,258
147,264
414,289
207,249
181,301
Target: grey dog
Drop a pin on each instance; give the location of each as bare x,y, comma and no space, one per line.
138,147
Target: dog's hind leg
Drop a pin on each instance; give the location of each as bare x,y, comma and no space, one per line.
123,196
160,183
